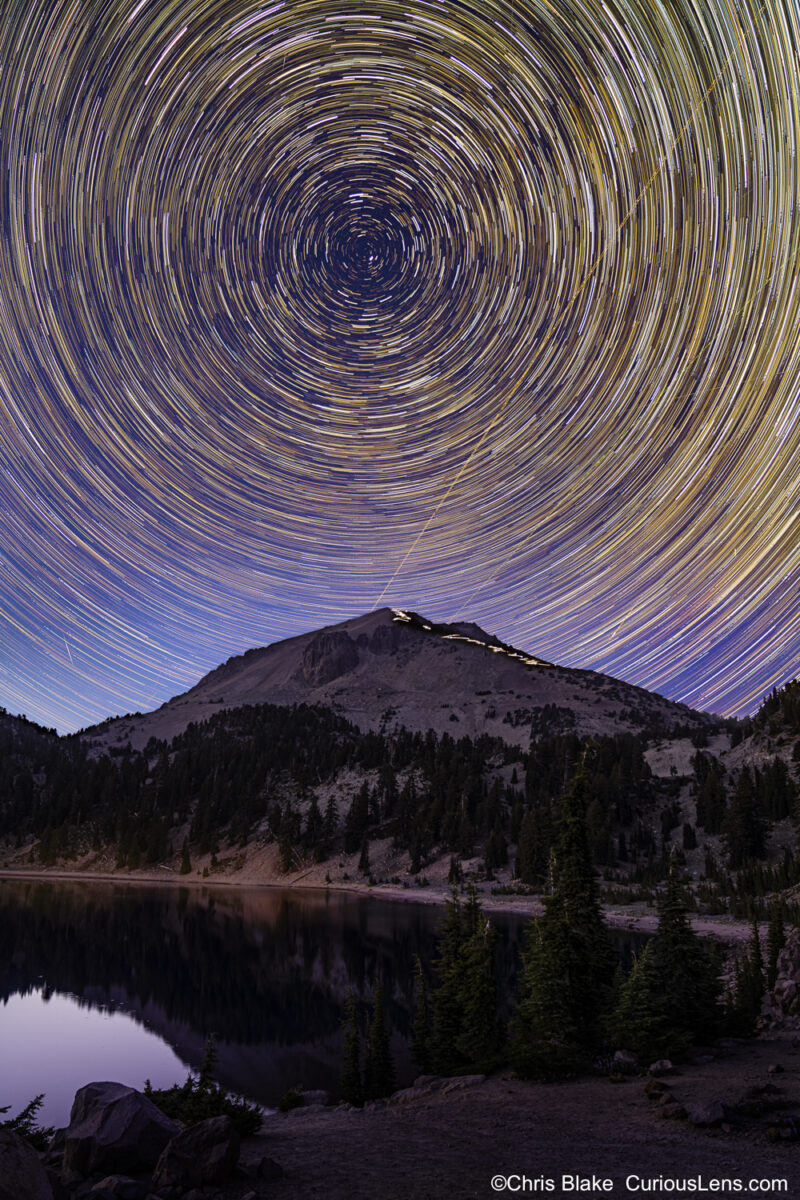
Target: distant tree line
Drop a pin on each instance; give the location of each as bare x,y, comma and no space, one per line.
259,772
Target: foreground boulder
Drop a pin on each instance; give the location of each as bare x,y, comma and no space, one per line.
205,1153
21,1172
114,1128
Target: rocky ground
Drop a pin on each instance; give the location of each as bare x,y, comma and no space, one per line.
728,1121
452,1141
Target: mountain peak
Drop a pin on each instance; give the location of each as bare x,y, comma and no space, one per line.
394,667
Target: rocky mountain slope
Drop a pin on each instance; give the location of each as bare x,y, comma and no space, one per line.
393,668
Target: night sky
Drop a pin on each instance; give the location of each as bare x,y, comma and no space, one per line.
486,309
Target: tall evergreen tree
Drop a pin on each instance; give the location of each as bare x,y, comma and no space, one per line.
749,987
689,975
639,1022
421,1032
568,961
546,1037
466,1030
776,940
186,862
480,1037
446,1000
351,1087
744,826
379,1073
363,861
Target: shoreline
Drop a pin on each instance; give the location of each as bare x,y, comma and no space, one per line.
634,919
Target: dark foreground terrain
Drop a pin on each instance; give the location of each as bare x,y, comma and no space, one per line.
454,1141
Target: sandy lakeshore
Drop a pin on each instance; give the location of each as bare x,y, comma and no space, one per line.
635,917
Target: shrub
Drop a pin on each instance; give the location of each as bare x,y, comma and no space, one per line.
26,1125
199,1098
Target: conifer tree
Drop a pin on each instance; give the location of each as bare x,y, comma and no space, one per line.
455,874
286,834
421,1048
329,823
776,940
351,1086
546,1036
379,1073
568,960
446,1000
480,1037
689,975
466,1030
639,1022
186,862
744,824
314,824
363,862
749,987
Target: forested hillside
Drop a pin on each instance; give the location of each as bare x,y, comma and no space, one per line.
318,789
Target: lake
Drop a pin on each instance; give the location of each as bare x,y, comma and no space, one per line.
126,982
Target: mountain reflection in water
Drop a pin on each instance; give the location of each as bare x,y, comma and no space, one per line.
266,970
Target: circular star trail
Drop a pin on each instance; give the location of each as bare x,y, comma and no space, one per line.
489,310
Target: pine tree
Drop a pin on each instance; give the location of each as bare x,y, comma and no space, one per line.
455,874
314,825
466,1032
186,862
749,987
689,976
546,1037
421,1034
446,1000
363,862
329,823
480,1038
357,820
286,836
568,960
744,824
379,1073
639,1022
351,1086
534,845
776,940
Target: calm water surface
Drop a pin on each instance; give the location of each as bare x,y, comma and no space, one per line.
125,982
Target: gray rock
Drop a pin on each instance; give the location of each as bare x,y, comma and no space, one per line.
205,1153
113,1127
674,1112
663,1067
261,1168
708,1112
121,1187
21,1172
461,1082
655,1088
